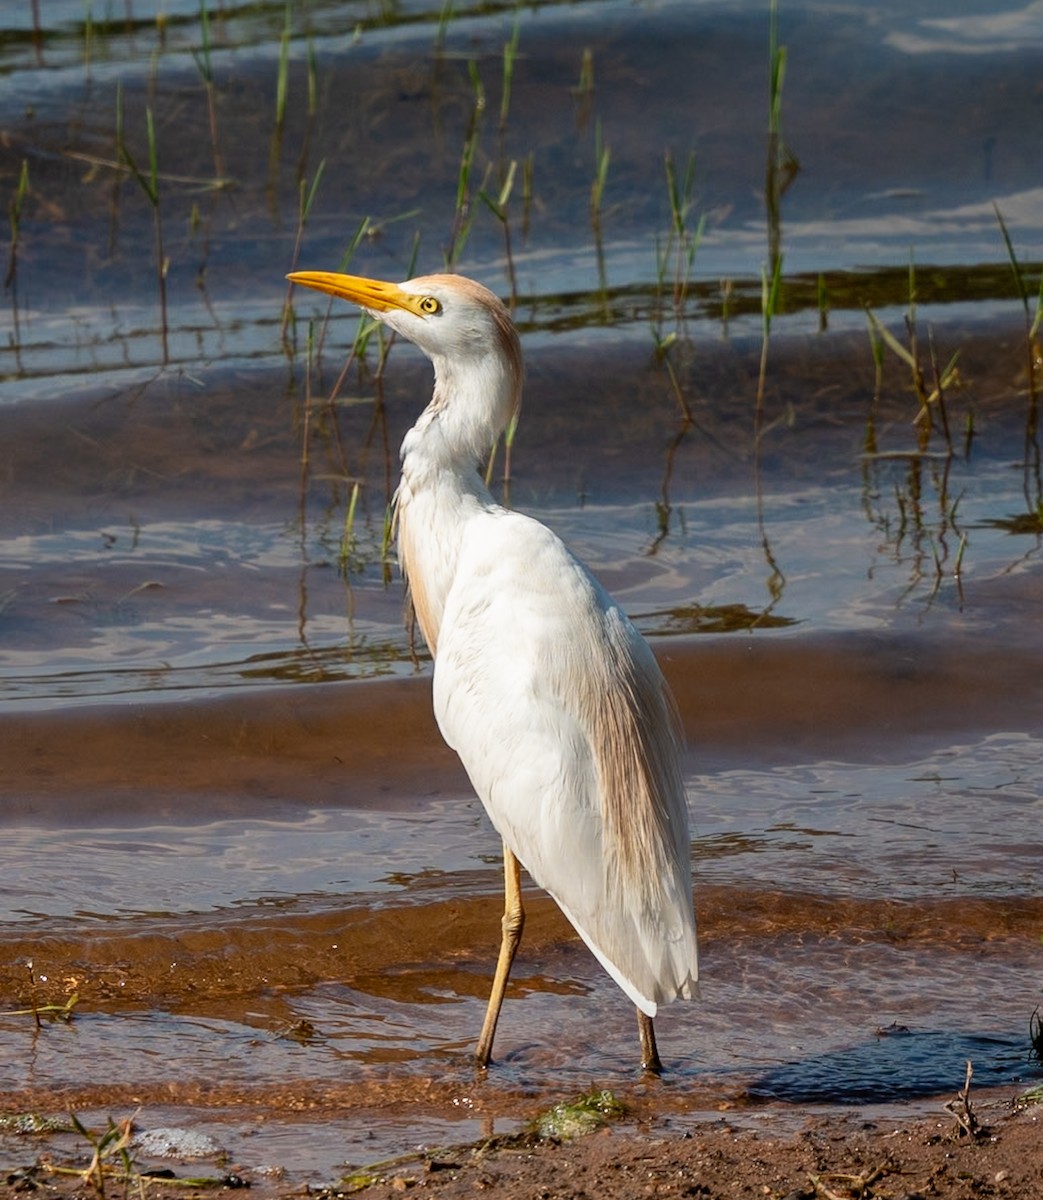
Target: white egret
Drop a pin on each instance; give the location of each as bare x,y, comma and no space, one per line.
549,695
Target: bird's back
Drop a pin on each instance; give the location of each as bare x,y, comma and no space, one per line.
565,726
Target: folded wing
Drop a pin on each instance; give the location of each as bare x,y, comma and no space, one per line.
564,723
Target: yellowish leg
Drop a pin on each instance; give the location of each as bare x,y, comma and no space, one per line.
650,1060
512,924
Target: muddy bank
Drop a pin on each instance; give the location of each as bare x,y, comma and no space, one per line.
878,1152
742,700
829,1157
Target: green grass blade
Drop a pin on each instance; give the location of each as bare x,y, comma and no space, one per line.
1015,266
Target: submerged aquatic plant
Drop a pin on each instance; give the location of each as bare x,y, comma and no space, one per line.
510,56
283,72
149,183
497,205
305,199
348,538
931,397
675,259
926,527
683,242
1033,320
771,283
1033,474
602,157
782,164
14,211
206,72
782,167
463,212
584,88
822,297
445,17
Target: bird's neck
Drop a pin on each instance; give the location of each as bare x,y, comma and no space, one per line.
441,489
432,517
472,402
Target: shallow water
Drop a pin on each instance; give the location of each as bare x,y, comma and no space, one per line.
228,824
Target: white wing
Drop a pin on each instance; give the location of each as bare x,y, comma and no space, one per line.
563,722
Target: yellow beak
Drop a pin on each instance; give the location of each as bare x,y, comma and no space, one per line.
370,293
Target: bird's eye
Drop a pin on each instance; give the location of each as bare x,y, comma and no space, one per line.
430,305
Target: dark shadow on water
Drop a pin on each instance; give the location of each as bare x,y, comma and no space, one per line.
901,1064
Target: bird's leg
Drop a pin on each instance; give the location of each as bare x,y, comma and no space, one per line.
512,924
650,1060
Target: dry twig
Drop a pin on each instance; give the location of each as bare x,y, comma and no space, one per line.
962,1109
854,1187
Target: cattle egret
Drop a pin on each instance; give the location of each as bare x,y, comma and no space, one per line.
543,687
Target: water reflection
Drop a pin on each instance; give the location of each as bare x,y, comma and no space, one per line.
980,33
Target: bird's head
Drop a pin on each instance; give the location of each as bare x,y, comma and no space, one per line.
460,325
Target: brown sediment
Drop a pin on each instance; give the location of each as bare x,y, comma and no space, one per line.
666,1150
355,745
830,1158
375,743
187,962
